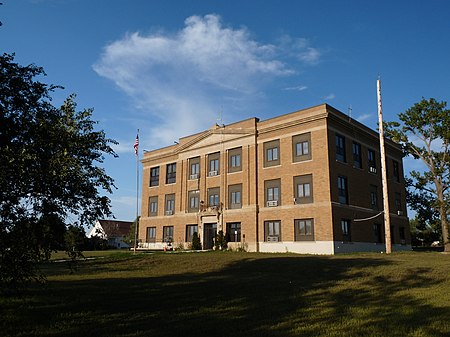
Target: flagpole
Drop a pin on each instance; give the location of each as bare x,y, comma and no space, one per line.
387,220
136,151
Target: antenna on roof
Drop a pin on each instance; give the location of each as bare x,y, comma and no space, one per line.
220,119
350,112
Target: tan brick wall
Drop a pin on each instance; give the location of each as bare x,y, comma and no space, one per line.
322,122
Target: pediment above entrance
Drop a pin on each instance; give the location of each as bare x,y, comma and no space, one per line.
214,136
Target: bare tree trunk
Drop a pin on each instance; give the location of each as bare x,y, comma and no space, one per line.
443,215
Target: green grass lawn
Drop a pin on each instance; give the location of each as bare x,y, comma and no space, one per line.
237,294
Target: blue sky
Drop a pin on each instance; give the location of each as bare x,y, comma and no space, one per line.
171,68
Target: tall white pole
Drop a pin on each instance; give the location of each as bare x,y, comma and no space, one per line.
387,220
136,150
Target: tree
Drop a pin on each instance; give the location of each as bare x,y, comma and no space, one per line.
220,242
424,133
196,244
74,241
426,226
49,170
131,236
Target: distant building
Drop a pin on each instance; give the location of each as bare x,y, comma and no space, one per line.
299,182
113,231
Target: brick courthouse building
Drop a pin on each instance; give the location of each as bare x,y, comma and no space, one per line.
293,183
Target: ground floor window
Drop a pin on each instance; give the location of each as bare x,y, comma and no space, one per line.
304,230
190,230
168,234
346,232
402,235
272,231
234,232
378,233
151,234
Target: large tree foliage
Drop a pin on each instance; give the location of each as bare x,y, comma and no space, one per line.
49,169
424,133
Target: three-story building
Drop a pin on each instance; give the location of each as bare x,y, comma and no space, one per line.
305,182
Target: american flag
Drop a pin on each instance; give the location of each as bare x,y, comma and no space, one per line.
136,145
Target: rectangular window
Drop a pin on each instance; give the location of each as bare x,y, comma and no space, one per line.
153,206
373,196
171,173
340,148
272,192
235,196
190,230
301,147
396,171
402,235
342,190
154,176
304,230
356,149
234,160
151,234
193,201
378,233
272,231
168,234
398,204
194,168
233,232
272,153
170,204
303,189
213,197
346,231
371,161
213,164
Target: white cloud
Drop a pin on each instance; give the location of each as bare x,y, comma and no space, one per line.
364,117
310,55
330,96
179,81
297,88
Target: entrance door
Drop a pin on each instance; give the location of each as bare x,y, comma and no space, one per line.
209,232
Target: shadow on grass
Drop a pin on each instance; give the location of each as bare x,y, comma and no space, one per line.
274,296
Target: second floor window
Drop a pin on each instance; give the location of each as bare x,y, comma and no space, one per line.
153,206
342,190
374,196
398,204
171,173
272,192
234,196
193,197
213,196
170,204
303,189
